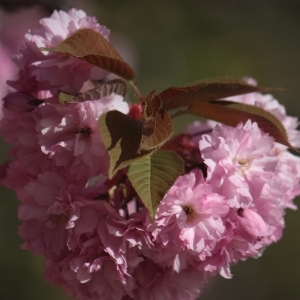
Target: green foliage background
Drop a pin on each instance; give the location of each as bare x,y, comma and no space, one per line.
175,42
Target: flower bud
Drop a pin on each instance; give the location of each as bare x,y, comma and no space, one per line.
251,225
20,102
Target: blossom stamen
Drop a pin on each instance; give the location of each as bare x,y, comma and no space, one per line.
57,219
188,210
85,131
243,165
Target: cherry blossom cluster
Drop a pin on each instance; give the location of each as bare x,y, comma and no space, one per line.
95,233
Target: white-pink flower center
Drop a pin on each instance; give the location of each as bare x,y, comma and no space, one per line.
243,165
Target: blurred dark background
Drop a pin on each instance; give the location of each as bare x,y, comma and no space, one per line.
175,42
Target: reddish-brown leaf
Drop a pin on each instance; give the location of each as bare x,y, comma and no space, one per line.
157,124
121,136
162,131
231,113
115,86
150,110
176,97
92,47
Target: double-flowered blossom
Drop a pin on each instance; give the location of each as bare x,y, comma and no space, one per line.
189,221
240,161
95,233
155,283
42,70
70,135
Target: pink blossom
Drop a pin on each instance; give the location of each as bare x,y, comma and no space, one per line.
49,208
280,194
43,70
14,176
101,261
131,232
240,161
271,208
245,237
21,102
287,176
19,129
90,273
189,217
248,232
251,225
155,283
70,135
95,232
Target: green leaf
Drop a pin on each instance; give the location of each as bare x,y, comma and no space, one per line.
90,46
153,176
212,89
232,113
64,98
121,136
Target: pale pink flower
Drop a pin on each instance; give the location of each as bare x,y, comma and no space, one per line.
271,207
48,209
103,256
240,161
238,248
246,236
43,70
251,225
189,217
131,232
14,176
90,273
70,135
156,283
280,194
19,129
248,232
287,176
95,233
20,102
